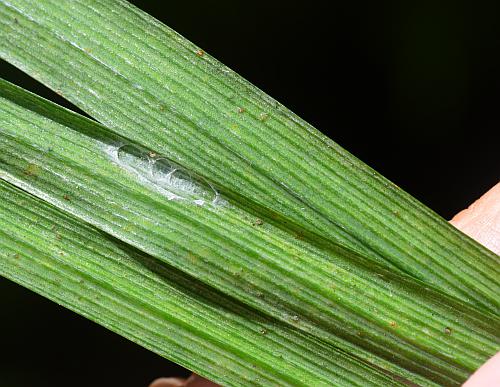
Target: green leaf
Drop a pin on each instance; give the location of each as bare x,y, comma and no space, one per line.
388,320
159,307
152,86
230,204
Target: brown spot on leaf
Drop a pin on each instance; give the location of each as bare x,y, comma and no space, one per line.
200,53
66,197
299,236
393,324
447,331
241,110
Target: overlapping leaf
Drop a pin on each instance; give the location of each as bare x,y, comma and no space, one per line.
380,317
205,181
156,306
149,84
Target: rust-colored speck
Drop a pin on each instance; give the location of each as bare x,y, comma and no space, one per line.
447,331
299,236
200,53
241,110
17,256
393,324
66,197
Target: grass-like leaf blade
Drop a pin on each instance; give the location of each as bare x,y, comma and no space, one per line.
357,306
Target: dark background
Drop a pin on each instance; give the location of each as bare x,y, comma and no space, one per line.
411,88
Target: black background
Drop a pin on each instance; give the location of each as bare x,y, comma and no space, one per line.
411,88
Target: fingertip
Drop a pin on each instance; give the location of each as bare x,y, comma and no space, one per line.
487,375
197,381
481,221
193,381
168,382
